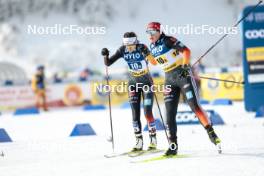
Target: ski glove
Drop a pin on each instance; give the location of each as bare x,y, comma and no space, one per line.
184,71
105,52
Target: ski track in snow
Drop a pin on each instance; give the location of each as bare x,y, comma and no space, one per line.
42,147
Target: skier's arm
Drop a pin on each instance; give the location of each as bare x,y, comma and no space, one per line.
148,56
172,42
110,60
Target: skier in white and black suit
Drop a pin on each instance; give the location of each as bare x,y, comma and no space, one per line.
135,54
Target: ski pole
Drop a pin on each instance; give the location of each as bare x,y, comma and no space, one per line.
110,109
156,99
223,80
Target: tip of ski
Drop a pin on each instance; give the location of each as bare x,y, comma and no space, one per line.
219,148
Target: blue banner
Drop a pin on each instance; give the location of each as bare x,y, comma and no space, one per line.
253,57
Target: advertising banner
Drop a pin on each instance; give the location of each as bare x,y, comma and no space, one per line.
211,89
253,57
12,97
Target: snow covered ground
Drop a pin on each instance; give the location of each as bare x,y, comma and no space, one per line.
42,146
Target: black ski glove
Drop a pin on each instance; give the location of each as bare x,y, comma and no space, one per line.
105,52
184,71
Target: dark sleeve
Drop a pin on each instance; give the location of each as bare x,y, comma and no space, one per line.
144,50
172,42
118,54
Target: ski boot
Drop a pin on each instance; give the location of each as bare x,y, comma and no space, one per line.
139,144
153,142
172,150
214,138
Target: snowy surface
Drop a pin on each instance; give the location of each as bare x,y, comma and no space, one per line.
42,147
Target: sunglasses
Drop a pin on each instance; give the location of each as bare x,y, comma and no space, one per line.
152,32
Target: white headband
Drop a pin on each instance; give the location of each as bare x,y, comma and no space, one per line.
130,41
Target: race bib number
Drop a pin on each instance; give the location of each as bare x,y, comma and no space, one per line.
135,66
161,60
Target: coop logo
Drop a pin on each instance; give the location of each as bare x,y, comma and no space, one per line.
254,34
187,117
